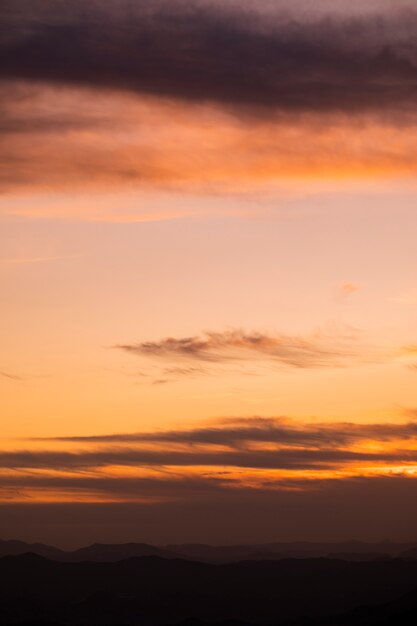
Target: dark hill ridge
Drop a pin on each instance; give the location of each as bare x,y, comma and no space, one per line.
97,552
156,591
13,547
100,552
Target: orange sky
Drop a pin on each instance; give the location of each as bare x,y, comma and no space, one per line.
177,266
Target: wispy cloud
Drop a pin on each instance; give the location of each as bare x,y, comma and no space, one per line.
253,353
237,431
10,376
237,348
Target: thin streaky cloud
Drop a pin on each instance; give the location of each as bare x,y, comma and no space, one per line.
280,459
10,376
317,350
282,430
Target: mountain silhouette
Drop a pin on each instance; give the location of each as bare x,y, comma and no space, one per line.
97,552
102,552
14,547
348,550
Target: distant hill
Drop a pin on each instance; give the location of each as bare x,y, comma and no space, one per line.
15,548
348,550
97,552
155,591
101,552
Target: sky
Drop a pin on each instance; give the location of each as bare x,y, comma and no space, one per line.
208,270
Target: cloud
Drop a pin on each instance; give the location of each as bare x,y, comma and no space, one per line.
233,454
338,348
201,53
235,432
154,159
233,479
198,98
346,289
279,459
10,376
130,157
214,353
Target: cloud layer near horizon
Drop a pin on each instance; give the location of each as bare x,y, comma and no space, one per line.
229,455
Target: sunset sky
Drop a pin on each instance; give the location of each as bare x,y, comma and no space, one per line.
208,266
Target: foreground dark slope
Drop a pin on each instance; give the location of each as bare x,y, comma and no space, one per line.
157,591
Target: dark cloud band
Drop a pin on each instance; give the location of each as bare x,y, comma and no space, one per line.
213,54
238,444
